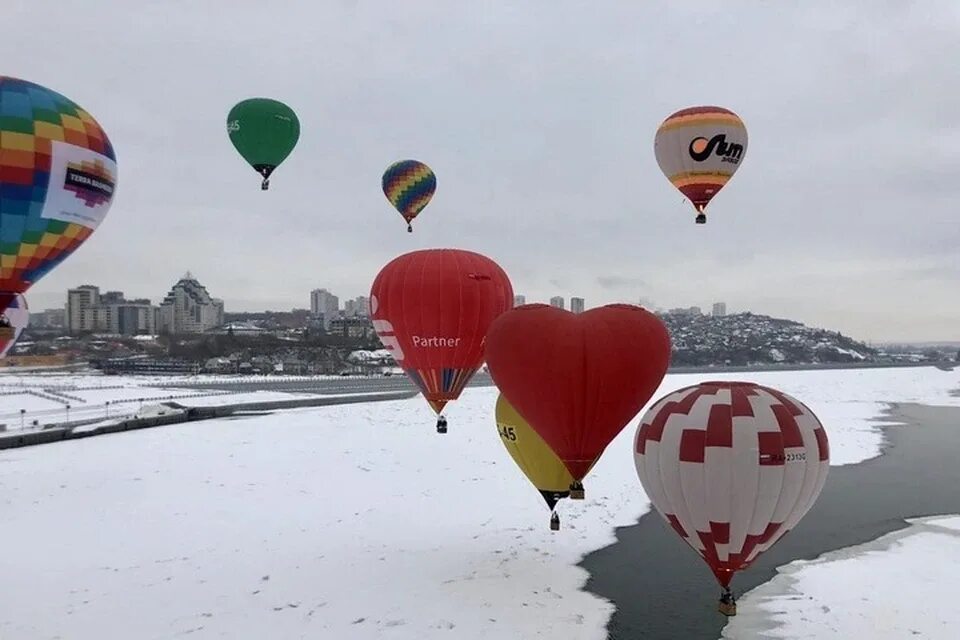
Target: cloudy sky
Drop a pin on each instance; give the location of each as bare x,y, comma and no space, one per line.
538,119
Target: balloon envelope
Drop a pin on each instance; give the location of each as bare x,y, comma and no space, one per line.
536,460
264,132
578,378
731,466
431,309
699,149
14,317
58,175
409,185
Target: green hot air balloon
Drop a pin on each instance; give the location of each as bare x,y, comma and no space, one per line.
264,131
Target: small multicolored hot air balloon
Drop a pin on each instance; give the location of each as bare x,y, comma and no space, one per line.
731,467
58,174
431,309
699,149
13,320
265,132
578,378
534,457
409,185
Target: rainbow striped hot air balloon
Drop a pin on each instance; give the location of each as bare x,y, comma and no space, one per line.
699,149
58,174
409,186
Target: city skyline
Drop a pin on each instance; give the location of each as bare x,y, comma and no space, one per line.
539,126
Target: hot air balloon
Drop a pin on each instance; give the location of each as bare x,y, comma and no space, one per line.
58,174
578,378
699,149
431,309
731,467
409,186
265,132
13,320
536,460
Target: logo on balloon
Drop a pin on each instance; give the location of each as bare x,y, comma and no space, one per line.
90,182
701,149
385,332
233,125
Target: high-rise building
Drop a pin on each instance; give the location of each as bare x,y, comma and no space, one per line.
556,301
576,305
88,311
188,308
81,307
359,307
135,317
325,305
719,308
519,300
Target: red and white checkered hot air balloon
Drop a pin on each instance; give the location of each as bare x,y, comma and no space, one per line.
14,317
731,466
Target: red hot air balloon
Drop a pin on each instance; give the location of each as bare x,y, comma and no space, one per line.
431,309
578,379
731,466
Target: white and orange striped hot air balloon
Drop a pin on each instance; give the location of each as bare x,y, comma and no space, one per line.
731,466
699,149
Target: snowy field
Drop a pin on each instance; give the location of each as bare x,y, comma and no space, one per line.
350,521
905,587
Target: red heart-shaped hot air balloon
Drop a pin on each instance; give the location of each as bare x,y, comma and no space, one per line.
431,309
578,378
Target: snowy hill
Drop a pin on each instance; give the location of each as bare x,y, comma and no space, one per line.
746,338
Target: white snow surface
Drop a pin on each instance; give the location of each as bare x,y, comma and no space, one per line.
349,521
902,585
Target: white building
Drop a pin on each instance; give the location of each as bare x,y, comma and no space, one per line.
80,313
324,304
89,311
557,301
719,308
576,305
359,307
188,308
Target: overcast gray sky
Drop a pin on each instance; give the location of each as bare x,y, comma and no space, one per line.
538,119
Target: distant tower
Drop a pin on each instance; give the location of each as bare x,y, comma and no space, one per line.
719,309
326,305
576,305
519,300
557,301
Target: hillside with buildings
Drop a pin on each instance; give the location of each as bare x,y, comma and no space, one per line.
190,331
747,338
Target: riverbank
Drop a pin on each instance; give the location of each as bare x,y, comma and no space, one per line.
177,414
662,589
901,585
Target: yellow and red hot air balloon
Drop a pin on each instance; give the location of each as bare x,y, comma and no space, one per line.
699,149
534,457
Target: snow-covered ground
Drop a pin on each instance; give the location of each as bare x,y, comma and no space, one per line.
902,585
350,521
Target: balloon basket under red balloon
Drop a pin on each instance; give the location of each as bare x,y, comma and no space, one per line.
576,491
702,218
727,604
